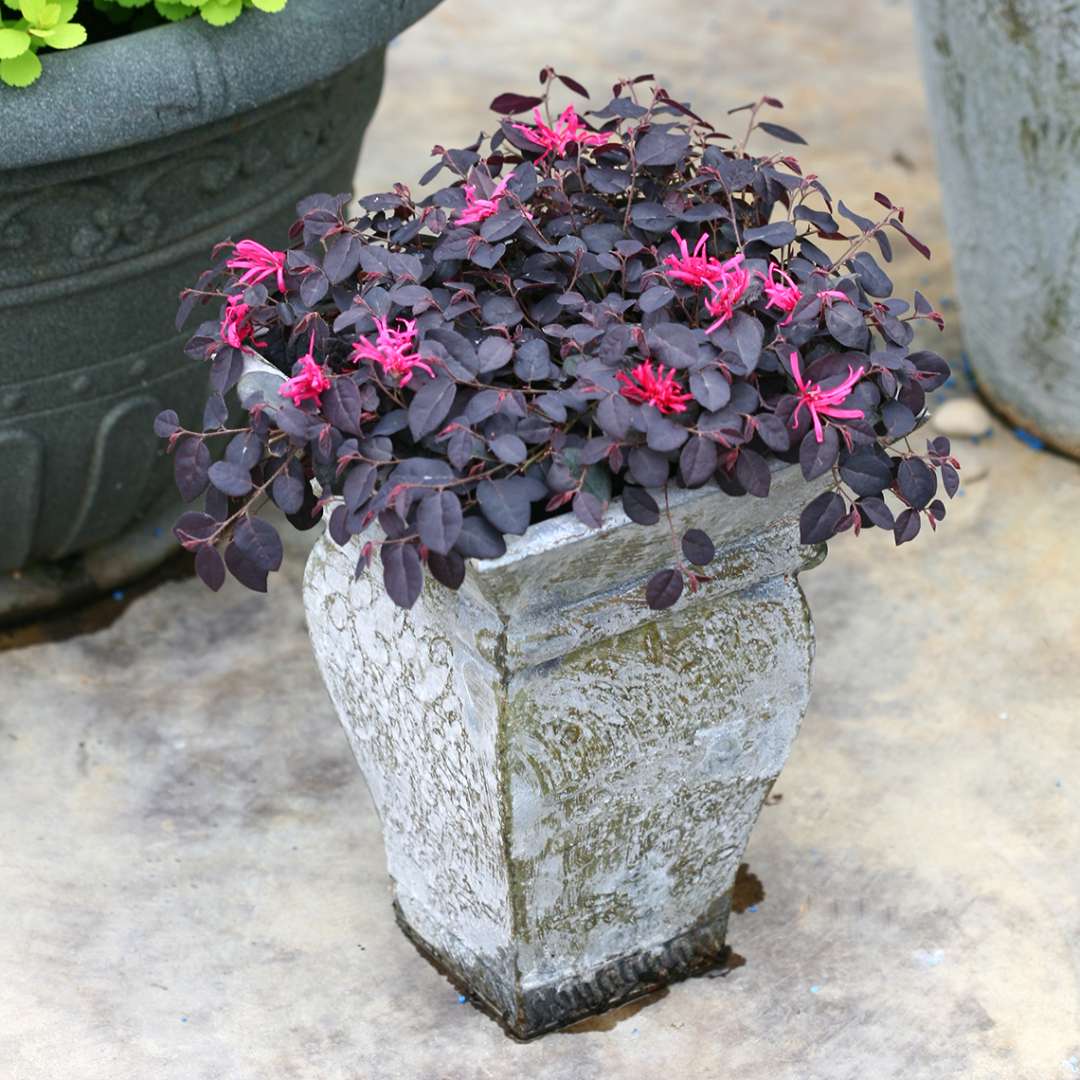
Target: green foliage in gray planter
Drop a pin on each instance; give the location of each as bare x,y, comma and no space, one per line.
106,212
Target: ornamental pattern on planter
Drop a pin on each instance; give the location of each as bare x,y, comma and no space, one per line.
596,306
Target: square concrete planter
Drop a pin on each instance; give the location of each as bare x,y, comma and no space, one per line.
567,780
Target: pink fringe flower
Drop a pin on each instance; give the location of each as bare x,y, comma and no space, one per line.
696,268
480,209
310,383
657,388
821,402
568,129
236,325
726,292
783,294
258,263
391,351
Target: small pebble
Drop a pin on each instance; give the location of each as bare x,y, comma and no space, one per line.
962,418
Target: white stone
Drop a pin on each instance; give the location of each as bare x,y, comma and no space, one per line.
962,418
566,779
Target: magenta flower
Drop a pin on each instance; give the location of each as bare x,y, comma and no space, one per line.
657,388
822,402
236,325
696,268
310,383
827,296
391,351
568,129
727,292
783,294
480,209
258,263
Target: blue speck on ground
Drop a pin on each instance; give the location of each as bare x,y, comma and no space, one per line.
118,595
1028,439
183,1019
815,989
752,907
158,530
461,999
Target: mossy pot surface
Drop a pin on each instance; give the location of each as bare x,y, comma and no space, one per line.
566,779
119,170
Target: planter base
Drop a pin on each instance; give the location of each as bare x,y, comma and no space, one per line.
566,1001
47,587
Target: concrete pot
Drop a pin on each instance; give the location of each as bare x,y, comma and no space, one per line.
567,780
119,170
1003,79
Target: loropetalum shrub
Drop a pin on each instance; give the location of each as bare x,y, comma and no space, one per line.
594,307
66,24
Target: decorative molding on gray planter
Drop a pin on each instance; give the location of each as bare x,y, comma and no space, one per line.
1003,80
168,141
567,780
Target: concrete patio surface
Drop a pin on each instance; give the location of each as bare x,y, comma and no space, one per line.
192,884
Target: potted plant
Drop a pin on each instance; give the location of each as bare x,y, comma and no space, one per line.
589,409
119,166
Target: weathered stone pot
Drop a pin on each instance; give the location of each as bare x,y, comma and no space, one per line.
567,780
119,170
1003,80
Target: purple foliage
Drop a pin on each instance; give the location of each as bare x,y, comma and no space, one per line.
593,306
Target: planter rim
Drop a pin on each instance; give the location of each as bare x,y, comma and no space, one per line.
168,79
567,528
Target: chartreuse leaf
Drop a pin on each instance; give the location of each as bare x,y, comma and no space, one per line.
20,71
173,12
41,14
64,36
268,5
220,12
13,43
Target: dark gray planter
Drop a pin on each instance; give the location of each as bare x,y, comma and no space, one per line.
119,170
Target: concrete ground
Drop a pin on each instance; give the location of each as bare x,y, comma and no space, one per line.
191,876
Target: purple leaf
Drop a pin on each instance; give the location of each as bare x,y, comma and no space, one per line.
664,589
429,408
231,479
589,509
191,467
166,423
438,521
697,547
258,541
819,521
403,574
210,567
640,506
907,526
